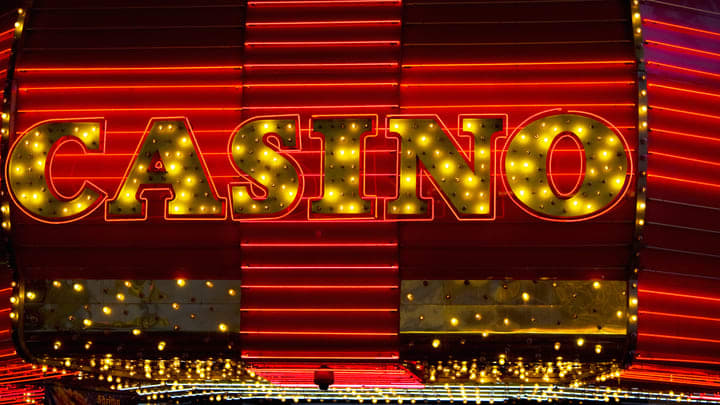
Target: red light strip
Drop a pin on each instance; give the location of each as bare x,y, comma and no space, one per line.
666,377
679,180
684,48
665,131
320,287
313,333
171,86
320,23
681,27
501,84
322,43
671,294
352,65
699,318
500,64
319,107
684,69
693,113
126,68
138,109
324,245
703,93
324,3
348,356
339,84
674,337
445,106
318,309
676,360
338,267
705,162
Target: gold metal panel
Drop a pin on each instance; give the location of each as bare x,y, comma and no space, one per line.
519,306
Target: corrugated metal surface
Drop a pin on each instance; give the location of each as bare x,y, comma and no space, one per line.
221,62
679,288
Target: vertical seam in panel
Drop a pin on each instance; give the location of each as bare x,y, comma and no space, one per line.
8,124
641,182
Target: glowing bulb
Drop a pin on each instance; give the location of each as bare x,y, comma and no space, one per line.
436,343
525,297
180,282
120,296
454,321
136,332
87,322
77,287
106,310
222,327
596,285
580,341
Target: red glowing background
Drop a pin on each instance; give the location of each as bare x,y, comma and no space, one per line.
221,63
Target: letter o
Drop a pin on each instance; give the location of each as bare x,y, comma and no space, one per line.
606,175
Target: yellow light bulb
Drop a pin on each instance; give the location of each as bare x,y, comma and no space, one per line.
436,343
106,310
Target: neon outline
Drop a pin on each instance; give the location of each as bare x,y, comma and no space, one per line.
362,175
102,195
164,187
252,183
629,172
548,164
470,160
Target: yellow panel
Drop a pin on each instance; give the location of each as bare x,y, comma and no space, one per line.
520,306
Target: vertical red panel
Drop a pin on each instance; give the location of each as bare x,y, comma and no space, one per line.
679,285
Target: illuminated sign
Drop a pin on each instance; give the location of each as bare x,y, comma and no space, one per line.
432,165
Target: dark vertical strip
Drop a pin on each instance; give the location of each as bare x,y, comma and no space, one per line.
641,182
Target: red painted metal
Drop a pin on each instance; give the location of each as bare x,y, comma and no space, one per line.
234,62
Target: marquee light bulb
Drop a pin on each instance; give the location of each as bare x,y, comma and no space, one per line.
78,287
